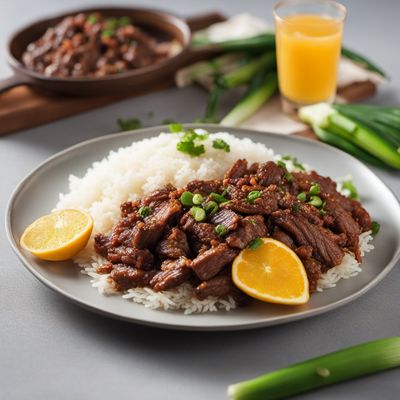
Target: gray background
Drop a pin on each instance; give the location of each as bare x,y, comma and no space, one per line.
50,349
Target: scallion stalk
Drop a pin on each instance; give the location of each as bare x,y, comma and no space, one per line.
246,73
260,90
266,41
342,365
329,119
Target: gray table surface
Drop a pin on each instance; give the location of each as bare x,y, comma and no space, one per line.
51,349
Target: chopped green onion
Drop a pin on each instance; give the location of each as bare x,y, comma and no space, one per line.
288,176
315,201
92,19
144,211
187,199
281,164
255,244
339,366
175,128
353,192
253,195
124,21
287,157
221,230
198,214
219,198
107,33
129,124
211,207
221,144
197,199
302,196
314,189
375,227
224,203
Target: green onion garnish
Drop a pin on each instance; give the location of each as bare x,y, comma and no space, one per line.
219,198
187,199
124,21
339,366
314,189
197,199
253,195
281,164
353,192
221,230
144,211
288,176
302,196
255,244
221,144
198,214
211,207
92,19
375,227
315,201
175,128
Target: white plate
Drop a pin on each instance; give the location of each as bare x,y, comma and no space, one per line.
38,193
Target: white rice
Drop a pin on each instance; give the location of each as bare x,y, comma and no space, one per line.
134,171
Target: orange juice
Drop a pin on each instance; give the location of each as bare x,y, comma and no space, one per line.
308,52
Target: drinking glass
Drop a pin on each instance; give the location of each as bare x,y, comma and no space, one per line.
308,43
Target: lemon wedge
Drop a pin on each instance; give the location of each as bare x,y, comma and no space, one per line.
58,236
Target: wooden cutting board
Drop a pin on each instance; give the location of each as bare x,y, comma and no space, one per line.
23,108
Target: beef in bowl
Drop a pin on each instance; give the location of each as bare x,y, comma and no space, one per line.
91,44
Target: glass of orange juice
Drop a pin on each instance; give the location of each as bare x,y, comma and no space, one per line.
308,42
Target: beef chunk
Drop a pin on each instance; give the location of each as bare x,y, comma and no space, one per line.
304,181
360,214
204,187
138,258
130,277
265,204
269,173
227,218
314,271
219,286
105,268
129,207
210,262
200,231
172,274
325,248
159,195
308,211
238,169
344,222
284,238
147,233
102,244
249,229
122,231
173,245
304,252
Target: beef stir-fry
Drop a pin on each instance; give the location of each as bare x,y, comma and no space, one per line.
94,45
193,234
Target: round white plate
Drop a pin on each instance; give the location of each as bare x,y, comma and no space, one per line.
38,193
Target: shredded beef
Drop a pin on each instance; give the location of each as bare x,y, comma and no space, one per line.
172,274
173,245
227,218
250,228
238,169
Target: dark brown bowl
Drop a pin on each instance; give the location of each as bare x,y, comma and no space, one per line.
159,23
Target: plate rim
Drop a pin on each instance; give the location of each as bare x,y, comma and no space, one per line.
177,326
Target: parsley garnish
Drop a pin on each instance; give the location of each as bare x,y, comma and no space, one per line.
221,144
190,148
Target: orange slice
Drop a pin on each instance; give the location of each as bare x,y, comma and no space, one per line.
58,236
272,272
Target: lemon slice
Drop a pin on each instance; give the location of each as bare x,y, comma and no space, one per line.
58,236
272,272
